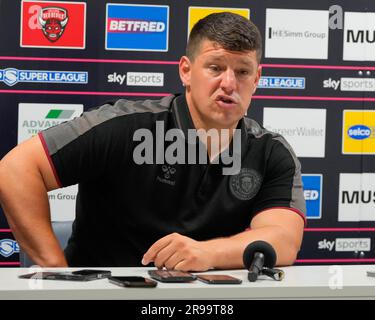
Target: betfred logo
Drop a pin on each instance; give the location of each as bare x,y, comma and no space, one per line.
197,13
136,27
358,132
59,25
312,191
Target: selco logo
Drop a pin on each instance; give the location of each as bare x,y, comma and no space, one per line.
359,132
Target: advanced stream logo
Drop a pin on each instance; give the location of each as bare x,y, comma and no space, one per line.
312,191
12,76
137,27
358,132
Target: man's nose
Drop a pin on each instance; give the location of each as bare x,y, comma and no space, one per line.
228,81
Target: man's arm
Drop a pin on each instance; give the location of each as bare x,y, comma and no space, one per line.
25,178
282,228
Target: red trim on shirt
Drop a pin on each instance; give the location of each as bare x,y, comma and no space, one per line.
288,208
44,144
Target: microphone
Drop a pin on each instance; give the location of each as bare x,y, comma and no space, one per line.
257,255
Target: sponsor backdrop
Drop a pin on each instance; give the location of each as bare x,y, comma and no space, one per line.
59,58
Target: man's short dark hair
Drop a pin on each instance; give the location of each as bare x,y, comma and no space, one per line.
231,31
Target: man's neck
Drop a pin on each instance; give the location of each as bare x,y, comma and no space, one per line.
217,143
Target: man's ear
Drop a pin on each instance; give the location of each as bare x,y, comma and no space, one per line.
184,69
257,77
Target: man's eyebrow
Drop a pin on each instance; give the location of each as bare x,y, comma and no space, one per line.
246,62
243,61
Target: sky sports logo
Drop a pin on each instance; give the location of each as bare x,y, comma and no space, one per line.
350,84
312,191
146,79
137,27
12,76
345,244
281,83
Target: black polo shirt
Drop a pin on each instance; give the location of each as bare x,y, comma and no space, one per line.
123,207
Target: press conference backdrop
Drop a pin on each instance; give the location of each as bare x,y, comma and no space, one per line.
59,58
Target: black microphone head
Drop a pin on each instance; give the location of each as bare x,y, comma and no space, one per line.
259,246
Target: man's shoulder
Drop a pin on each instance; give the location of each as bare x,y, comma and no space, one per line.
265,136
256,130
123,107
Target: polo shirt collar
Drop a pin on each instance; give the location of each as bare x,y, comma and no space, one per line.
182,116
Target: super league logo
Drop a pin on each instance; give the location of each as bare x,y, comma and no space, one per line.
53,21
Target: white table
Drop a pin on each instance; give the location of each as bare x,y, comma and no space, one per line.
300,282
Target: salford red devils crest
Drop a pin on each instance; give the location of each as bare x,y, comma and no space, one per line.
53,21
53,24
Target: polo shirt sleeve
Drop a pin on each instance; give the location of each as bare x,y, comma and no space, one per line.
86,148
282,183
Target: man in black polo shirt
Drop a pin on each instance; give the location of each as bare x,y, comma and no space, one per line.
136,207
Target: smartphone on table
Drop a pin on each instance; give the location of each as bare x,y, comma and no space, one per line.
171,276
133,282
79,275
218,279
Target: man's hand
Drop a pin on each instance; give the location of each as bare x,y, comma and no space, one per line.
178,252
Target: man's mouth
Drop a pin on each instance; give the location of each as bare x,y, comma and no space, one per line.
225,101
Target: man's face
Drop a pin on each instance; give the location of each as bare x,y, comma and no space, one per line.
219,84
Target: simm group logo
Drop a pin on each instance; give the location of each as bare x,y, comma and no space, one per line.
53,24
358,132
299,34
137,27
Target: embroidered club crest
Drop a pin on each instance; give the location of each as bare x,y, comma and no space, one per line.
246,184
